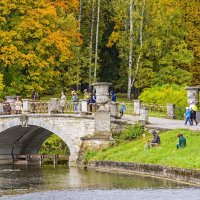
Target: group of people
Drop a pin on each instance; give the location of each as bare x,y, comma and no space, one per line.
18,105
156,140
190,114
91,100
63,101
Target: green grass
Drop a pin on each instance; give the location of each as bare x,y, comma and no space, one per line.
166,154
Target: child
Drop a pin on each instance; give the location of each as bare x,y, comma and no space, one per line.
122,108
188,116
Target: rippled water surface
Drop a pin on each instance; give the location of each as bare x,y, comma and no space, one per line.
23,183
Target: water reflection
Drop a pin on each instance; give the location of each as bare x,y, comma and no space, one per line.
23,179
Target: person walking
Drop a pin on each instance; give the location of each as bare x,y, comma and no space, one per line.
62,102
122,109
181,141
193,109
188,116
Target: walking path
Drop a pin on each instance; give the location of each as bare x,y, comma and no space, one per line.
162,123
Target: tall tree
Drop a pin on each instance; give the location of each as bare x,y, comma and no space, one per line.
97,40
39,41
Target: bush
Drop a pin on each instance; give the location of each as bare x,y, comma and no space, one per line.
131,133
54,145
89,154
162,95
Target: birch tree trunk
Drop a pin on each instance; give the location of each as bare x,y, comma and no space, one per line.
130,59
97,40
91,43
79,28
141,42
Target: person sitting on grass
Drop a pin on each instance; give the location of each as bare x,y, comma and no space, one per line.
156,139
181,141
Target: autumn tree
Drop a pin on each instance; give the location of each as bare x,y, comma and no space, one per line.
39,41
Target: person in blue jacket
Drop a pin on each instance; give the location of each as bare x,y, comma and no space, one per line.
188,116
122,109
113,96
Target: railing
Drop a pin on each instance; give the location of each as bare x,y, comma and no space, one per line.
31,106
54,107
38,107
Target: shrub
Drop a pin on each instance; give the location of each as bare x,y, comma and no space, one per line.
89,154
162,95
54,145
132,132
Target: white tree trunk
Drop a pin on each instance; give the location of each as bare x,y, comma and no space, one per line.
141,42
80,14
97,40
130,59
79,28
91,43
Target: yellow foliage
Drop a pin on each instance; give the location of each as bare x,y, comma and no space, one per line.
1,82
114,37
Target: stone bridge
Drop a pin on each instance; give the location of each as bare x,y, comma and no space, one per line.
71,128
15,139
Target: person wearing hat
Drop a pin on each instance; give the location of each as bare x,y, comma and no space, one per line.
156,139
181,141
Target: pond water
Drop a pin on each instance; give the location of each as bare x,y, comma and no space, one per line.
49,183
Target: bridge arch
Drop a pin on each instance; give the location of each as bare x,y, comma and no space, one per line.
15,139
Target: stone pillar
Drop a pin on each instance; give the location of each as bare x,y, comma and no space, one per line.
113,109
102,92
83,105
137,107
144,117
198,116
193,94
102,136
170,111
102,124
1,108
54,105
26,105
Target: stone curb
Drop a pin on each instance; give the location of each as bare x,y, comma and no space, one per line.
178,174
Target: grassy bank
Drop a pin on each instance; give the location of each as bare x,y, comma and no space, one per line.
166,154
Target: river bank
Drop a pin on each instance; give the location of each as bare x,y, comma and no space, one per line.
186,176
164,161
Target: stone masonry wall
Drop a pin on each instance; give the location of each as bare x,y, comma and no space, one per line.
178,174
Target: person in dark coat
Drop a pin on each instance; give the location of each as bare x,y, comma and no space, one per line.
113,96
181,141
156,139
